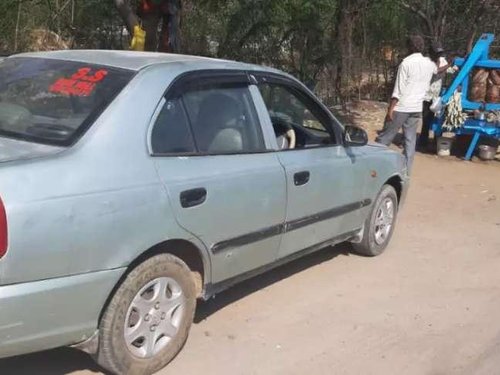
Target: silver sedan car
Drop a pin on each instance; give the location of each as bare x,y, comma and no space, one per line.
133,184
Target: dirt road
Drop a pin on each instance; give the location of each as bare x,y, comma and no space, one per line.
429,305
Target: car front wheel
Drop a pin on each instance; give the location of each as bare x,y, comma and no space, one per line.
148,319
379,224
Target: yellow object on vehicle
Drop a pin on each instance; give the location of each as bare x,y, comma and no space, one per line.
138,39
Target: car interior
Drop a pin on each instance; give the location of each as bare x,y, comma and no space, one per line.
291,135
224,120
217,125
294,125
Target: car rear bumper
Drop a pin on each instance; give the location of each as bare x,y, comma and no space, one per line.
46,314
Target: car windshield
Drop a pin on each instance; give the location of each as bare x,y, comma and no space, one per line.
53,101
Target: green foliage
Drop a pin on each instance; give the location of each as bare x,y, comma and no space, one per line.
81,23
308,38
295,35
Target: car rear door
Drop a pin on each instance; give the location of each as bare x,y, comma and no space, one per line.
325,181
224,185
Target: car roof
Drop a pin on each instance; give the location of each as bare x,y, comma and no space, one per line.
136,61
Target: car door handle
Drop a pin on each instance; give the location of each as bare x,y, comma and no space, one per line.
301,178
193,197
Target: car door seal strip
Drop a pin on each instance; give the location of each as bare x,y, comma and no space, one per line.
248,238
212,289
289,226
325,215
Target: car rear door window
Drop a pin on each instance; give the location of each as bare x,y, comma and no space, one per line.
224,120
171,132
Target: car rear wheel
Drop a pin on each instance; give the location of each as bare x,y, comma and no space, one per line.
379,225
148,319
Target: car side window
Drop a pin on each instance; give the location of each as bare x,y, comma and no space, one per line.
171,133
289,109
224,120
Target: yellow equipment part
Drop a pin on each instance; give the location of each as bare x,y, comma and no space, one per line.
138,39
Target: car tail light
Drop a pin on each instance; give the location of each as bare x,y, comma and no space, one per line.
3,230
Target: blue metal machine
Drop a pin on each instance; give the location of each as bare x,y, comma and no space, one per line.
478,58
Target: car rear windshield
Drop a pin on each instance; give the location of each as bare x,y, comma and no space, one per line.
54,101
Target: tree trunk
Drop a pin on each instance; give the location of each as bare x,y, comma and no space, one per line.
470,39
345,28
481,12
127,14
433,17
16,35
58,22
174,25
365,38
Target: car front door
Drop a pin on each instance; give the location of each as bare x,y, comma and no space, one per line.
224,185
325,181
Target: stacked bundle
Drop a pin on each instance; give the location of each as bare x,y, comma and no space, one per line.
493,90
485,86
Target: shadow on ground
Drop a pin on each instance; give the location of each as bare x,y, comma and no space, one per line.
264,280
66,361
53,362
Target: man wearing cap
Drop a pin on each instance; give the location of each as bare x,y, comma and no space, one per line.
405,108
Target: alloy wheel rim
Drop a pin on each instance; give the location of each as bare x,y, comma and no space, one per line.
384,220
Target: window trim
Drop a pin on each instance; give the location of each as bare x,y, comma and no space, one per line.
332,125
207,77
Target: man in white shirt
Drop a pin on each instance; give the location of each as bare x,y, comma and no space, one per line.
405,109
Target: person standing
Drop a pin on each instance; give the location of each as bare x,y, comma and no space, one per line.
436,55
405,109
150,15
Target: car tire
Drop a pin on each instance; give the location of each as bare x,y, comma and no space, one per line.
380,223
147,321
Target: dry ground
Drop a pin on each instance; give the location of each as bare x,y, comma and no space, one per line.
430,305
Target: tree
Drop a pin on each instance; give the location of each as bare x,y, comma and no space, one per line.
341,48
433,14
348,14
439,16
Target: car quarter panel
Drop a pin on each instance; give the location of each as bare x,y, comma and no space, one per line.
49,313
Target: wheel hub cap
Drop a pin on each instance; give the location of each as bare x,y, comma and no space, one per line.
154,317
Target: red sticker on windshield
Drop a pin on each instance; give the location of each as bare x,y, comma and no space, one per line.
82,83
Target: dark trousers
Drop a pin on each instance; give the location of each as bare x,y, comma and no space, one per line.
409,122
169,17
427,119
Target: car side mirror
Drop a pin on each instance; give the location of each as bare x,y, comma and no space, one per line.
355,136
